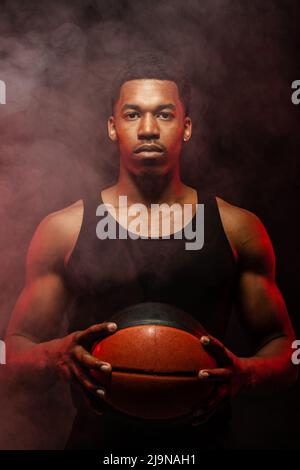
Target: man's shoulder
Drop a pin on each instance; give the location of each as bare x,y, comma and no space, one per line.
245,231
238,218
56,235
65,220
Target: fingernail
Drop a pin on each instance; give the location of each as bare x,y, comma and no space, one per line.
105,367
203,374
100,392
198,413
195,423
112,326
204,340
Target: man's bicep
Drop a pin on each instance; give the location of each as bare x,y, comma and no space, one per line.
262,308
261,304
39,309
38,313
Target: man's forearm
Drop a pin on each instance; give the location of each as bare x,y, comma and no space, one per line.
32,364
271,368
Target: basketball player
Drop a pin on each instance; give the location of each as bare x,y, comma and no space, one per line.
70,271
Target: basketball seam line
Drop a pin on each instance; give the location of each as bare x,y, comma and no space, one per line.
159,373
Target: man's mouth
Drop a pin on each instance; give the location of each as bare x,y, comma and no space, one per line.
149,150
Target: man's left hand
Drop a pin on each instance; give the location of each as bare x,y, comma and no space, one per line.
229,377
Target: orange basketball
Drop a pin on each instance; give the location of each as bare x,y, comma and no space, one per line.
155,356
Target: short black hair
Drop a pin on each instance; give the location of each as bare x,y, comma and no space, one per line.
153,66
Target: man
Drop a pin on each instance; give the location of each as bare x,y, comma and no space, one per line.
71,271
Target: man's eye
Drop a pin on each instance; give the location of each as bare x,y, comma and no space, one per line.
131,116
165,115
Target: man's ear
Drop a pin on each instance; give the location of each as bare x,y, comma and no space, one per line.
111,128
187,133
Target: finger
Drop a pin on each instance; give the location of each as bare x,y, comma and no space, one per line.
205,413
65,372
94,332
215,375
86,382
222,392
218,394
217,350
98,407
97,404
86,359
202,418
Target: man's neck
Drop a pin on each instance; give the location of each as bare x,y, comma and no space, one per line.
150,189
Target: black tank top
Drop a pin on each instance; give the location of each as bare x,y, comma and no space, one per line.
106,276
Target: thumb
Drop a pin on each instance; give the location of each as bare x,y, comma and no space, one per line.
216,349
96,332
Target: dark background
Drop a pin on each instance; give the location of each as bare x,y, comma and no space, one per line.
57,59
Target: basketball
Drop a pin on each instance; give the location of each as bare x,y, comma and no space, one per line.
155,355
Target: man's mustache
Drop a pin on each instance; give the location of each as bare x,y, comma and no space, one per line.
149,148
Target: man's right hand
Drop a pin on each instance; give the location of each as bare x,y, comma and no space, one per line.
74,361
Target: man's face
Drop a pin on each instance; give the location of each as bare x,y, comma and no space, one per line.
150,125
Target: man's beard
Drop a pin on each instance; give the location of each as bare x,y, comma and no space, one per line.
152,185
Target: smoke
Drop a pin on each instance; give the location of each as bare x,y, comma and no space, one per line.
57,59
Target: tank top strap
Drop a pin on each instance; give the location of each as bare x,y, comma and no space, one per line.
208,201
214,229
90,205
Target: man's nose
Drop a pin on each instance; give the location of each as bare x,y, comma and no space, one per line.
148,128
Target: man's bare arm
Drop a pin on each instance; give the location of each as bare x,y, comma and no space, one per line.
262,308
36,352
263,314
38,313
